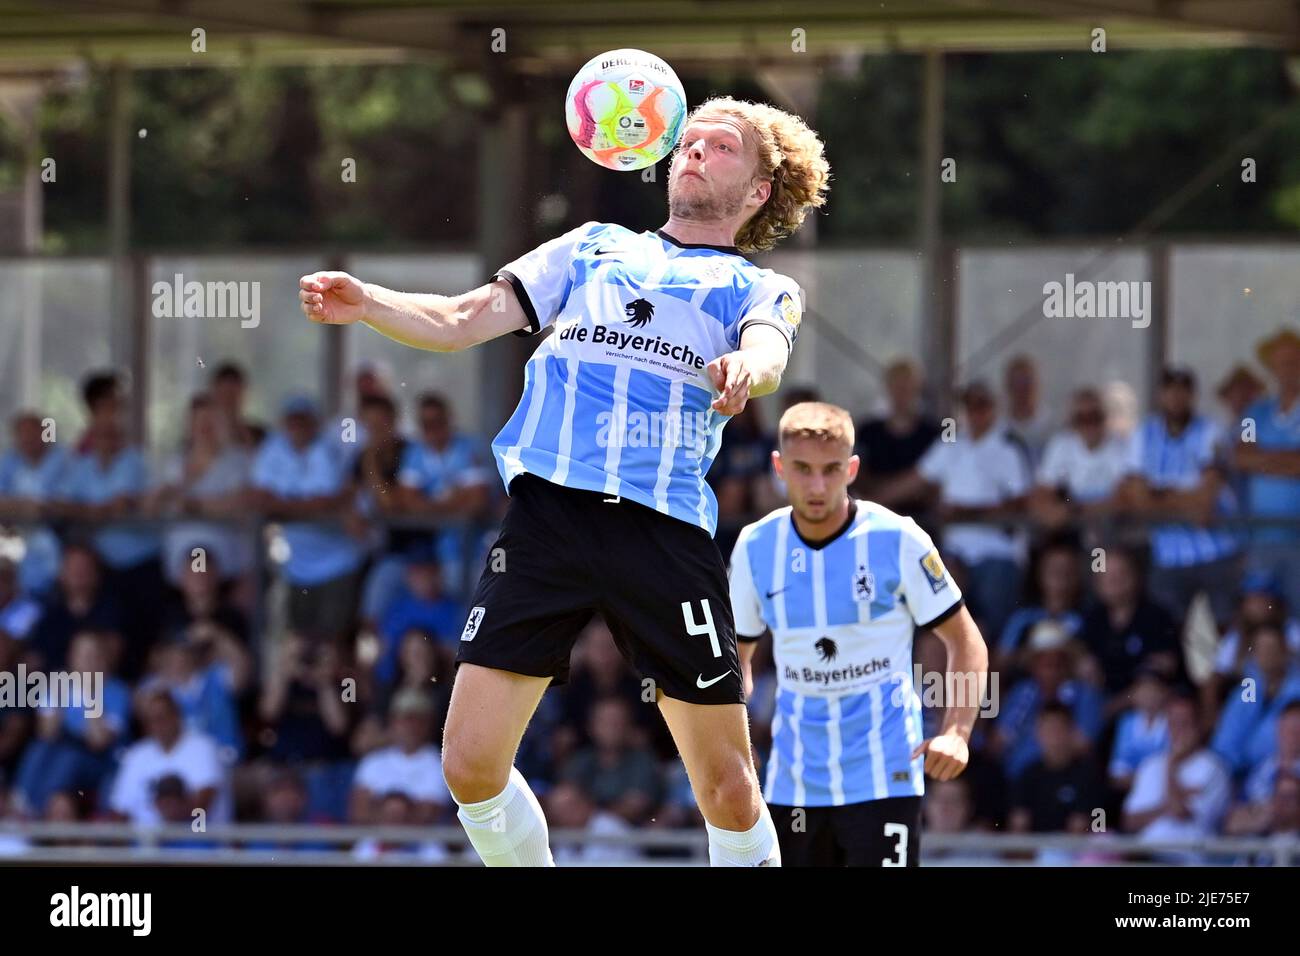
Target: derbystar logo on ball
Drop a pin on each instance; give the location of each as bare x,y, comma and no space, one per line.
625,109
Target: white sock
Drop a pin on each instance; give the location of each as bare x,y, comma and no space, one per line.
508,829
756,846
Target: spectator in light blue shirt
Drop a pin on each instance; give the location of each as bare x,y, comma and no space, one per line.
1246,734
207,480
445,473
420,605
299,480
106,486
1271,463
1177,474
30,472
74,751
1141,730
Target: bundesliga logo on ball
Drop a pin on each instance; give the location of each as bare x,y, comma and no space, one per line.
625,109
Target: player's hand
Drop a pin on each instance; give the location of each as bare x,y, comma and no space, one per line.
332,298
732,378
946,756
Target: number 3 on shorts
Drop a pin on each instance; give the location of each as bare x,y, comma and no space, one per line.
899,830
688,615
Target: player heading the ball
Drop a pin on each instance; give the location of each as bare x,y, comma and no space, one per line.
620,524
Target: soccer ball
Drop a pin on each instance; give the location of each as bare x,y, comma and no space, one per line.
625,109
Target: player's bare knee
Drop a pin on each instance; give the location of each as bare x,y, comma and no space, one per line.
472,776
729,798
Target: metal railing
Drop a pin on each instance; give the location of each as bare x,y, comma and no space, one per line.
252,844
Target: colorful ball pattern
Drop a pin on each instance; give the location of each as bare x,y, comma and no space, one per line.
625,109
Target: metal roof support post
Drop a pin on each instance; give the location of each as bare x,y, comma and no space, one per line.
938,335
505,230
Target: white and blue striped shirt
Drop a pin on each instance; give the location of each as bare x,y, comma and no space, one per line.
842,615
1166,461
618,399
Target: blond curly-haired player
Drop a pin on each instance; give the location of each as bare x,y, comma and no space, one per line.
659,337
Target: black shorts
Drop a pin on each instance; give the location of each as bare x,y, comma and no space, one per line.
883,832
564,554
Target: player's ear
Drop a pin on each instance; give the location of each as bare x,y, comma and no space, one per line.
776,464
763,191
854,464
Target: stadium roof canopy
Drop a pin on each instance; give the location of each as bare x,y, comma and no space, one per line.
41,35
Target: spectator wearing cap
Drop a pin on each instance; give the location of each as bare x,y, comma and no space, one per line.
298,478
1256,814
1271,463
1177,478
1050,664
80,602
105,484
1237,391
1246,733
229,388
411,765
1026,419
1081,466
76,742
31,472
891,444
421,604
981,478
1060,789
207,480
1124,630
168,748
19,613
1141,730
1183,792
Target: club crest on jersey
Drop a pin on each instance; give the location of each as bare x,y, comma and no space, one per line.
864,584
934,572
471,626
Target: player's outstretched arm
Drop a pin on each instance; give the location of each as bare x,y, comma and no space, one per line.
437,323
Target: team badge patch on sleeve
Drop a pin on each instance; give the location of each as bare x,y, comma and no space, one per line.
471,625
788,309
934,572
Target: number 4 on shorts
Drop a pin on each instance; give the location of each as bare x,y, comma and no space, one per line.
688,615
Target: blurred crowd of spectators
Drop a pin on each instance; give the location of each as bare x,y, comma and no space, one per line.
276,610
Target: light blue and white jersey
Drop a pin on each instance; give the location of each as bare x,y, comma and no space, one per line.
617,399
842,614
